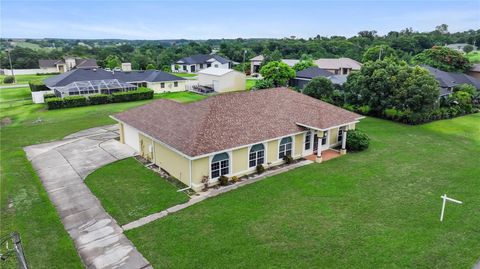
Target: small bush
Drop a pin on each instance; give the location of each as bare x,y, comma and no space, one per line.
37,85
260,169
357,140
288,159
263,84
54,103
51,73
364,109
49,95
223,180
234,179
74,101
98,99
8,80
139,94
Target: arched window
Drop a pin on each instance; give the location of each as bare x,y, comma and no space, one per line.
220,165
285,148
257,155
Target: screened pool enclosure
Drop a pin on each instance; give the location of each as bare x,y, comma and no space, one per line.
105,86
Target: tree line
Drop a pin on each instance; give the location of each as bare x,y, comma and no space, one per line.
161,54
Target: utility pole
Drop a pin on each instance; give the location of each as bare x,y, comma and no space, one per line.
11,67
244,54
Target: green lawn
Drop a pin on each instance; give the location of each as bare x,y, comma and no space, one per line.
24,204
250,83
184,75
129,191
24,79
375,209
474,56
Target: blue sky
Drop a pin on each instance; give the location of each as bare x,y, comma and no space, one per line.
151,19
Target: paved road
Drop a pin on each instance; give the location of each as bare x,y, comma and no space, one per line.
62,167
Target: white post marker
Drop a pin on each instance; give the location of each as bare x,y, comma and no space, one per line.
445,199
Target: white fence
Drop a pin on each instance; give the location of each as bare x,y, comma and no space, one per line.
8,72
37,97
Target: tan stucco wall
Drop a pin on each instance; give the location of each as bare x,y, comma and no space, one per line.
200,168
272,151
233,81
240,160
145,144
298,145
172,162
122,133
333,136
169,86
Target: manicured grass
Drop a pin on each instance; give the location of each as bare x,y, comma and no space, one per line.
24,204
474,56
147,192
184,75
24,79
375,209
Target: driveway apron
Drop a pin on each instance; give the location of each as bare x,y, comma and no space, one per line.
62,166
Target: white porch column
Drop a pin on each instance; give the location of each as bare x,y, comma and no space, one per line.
343,151
319,150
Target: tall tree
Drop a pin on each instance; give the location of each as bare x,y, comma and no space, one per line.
443,58
378,52
278,73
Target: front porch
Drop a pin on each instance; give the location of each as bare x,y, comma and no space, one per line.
326,155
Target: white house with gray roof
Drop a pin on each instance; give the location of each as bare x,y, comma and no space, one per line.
195,63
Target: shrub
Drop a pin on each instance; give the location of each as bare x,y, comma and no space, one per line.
49,95
263,84
288,159
139,94
357,140
223,180
364,109
37,85
54,103
234,179
98,99
74,101
8,80
260,169
51,73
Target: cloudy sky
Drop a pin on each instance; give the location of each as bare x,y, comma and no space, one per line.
162,19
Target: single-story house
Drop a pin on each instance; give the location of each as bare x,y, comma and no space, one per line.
303,77
474,71
94,81
340,66
221,79
195,63
65,65
230,134
257,61
448,80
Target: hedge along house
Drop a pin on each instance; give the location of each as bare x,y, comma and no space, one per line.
96,81
230,134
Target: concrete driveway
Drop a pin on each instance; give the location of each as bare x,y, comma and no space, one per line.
62,167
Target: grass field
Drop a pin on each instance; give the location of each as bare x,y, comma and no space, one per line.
184,75
375,209
24,79
25,206
129,191
474,56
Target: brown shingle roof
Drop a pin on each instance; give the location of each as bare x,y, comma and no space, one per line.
230,120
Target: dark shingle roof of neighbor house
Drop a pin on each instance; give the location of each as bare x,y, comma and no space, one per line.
313,72
80,63
100,74
231,120
451,79
202,58
48,63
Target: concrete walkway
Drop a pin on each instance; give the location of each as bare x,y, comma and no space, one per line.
62,167
210,193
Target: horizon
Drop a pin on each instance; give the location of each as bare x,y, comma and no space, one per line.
170,20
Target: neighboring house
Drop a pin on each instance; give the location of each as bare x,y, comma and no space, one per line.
475,71
230,134
340,66
221,79
460,46
67,64
448,80
303,77
256,63
195,63
95,81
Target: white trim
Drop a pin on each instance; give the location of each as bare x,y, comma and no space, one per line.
329,128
